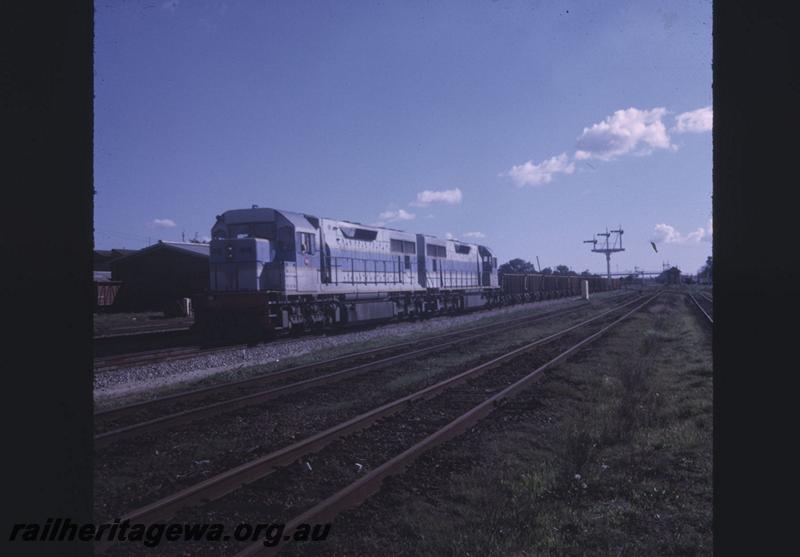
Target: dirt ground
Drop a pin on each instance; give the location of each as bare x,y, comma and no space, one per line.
609,453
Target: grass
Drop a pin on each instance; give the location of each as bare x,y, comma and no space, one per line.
608,454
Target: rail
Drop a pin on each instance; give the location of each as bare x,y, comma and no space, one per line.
229,481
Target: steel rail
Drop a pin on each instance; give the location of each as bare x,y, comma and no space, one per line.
141,331
229,481
197,413
108,363
700,307
131,344
362,488
272,376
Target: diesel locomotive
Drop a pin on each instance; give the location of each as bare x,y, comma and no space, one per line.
273,270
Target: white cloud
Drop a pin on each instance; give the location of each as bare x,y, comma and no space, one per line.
398,215
162,223
696,121
542,173
474,235
624,132
696,236
666,234
450,197
709,230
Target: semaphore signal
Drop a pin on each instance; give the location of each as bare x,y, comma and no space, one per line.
609,246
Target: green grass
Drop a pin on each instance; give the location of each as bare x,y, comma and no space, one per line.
609,454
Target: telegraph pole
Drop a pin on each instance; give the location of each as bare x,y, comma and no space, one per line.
608,246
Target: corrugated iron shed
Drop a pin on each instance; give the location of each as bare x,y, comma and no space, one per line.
157,275
102,258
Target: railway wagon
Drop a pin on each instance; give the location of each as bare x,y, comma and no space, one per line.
532,287
105,290
106,293
279,270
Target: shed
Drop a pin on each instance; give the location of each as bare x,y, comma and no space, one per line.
102,258
158,275
671,276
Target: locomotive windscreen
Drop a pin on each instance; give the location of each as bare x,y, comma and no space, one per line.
265,230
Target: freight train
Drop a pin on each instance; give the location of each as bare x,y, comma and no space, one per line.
273,270
532,287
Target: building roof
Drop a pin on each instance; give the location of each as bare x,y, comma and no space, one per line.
113,253
190,248
102,258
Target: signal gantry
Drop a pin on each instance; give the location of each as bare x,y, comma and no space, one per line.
609,246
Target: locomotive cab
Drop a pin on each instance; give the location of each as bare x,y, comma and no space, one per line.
488,267
259,250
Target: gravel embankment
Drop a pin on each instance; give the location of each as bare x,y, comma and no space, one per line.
152,377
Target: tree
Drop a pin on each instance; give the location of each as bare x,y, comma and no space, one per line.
547,271
197,240
704,274
515,266
564,271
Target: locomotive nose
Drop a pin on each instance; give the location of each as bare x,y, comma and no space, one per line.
237,264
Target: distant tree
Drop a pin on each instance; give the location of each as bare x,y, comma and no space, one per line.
547,271
516,266
564,270
197,240
704,274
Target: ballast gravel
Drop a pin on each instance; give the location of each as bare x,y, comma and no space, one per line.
152,377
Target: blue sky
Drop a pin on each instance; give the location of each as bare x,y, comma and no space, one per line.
526,126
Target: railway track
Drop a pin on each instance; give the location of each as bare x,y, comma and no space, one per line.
142,345
401,429
294,379
705,304
142,329
107,348
357,491
110,363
